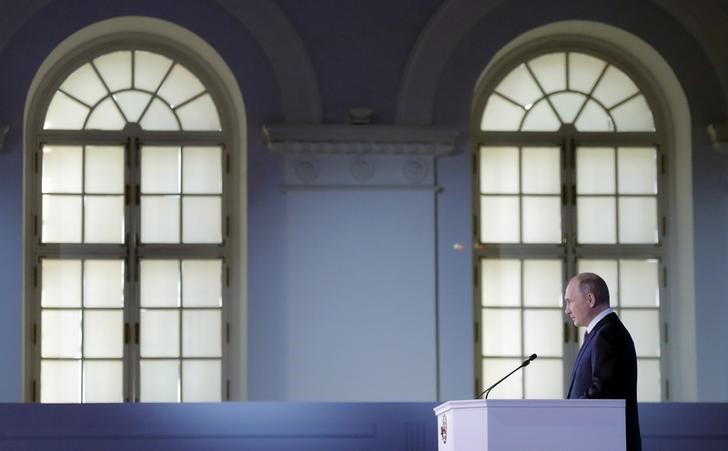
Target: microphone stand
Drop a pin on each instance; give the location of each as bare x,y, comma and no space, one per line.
525,363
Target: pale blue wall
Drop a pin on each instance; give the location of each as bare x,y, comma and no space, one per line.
360,277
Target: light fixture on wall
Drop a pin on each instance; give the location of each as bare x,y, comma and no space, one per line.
718,133
3,131
361,116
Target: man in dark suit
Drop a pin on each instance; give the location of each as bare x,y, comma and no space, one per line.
606,365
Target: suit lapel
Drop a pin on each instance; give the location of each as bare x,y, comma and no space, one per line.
577,361
587,342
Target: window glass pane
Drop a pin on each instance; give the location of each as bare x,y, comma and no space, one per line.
61,219
637,220
544,379
179,86
499,170
84,85
159,381
596,220
595,172
637,170
159,283
649,385
60,381
501,114
160,219
103,333
541,118
202,381
594,118
104,169
520,87
159,117
202,219
201,333
567,105
65,113
584,70
644,326
106,116
500,282
607,270
541,170
104,219
103,283
544,332
541,219
202,283
61,333
60,283
614,87
103,381
149,69
115,69
550,71
499,219
199,114
159,333
160,170
202,170
640,286
132,104
542,281
62,169
501,330
494,369
634,116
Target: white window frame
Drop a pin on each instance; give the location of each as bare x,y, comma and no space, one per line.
495,72
194,53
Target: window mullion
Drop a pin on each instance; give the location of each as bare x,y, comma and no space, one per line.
132,257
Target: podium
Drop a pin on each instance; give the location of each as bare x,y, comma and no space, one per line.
524,425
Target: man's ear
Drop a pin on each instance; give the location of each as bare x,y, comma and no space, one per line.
591,300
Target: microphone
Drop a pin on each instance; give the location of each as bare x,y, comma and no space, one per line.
525,363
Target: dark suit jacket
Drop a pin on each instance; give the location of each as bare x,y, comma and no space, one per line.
606,367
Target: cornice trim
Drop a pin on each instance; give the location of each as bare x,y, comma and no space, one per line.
359,139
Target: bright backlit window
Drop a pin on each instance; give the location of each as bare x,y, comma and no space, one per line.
569,179
130,238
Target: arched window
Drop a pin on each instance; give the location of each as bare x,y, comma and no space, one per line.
130,244
569,162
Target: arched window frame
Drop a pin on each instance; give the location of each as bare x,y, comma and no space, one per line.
188,49
492,76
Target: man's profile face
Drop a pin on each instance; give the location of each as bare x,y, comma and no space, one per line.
576,305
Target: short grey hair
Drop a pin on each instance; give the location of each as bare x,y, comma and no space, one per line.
592,283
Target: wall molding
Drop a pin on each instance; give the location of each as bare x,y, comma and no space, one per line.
346,139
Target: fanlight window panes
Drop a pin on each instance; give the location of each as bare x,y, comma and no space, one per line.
567,88
132,87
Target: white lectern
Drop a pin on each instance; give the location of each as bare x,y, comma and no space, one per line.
548,424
